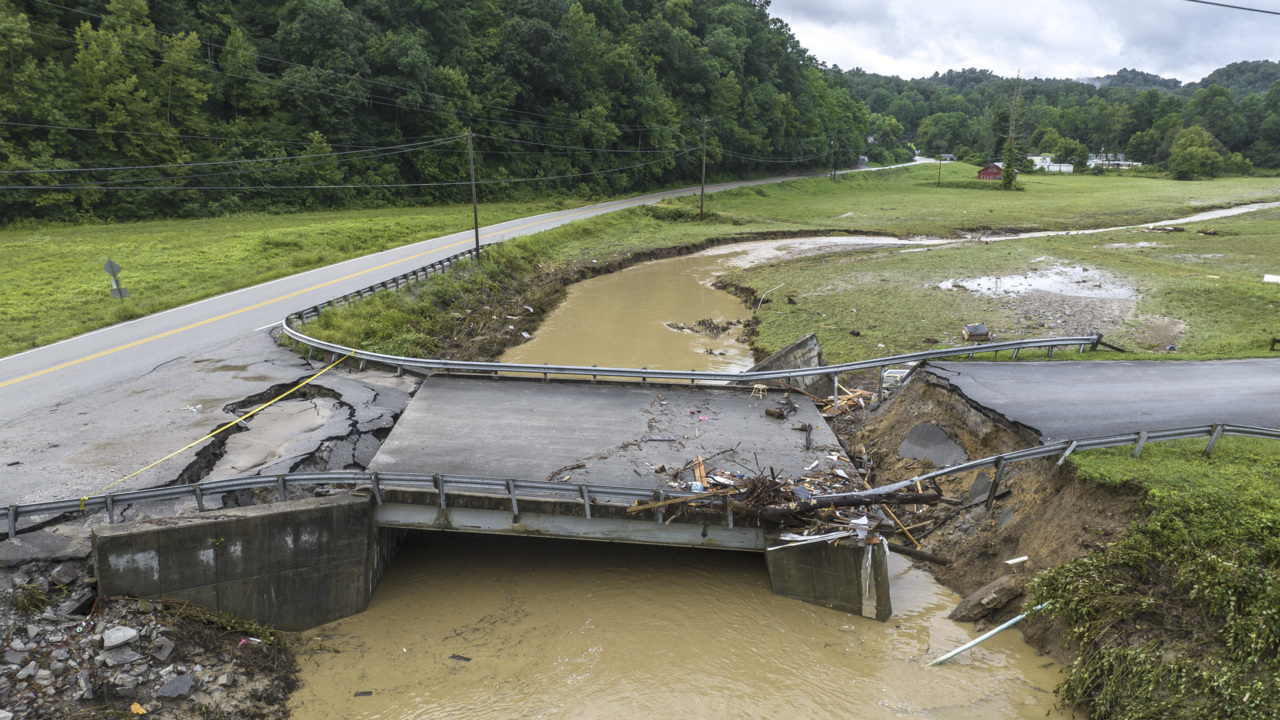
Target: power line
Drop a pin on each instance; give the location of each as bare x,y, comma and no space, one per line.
222,162
1232,7
190,137
346,187
568,147
104,183
757,158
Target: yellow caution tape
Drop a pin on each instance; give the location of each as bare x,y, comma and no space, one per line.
219,430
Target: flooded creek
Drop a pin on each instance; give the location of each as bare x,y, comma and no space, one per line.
493,627
472,626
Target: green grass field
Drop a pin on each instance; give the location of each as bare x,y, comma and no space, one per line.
52,285
1180,618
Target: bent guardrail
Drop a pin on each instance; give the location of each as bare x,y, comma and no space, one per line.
1065,448
540,489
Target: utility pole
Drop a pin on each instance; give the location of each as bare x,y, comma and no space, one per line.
475,209
702,196
833,159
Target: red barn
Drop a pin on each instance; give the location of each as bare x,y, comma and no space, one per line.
990,172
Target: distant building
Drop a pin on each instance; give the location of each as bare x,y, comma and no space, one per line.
948,157
1046,163
1112,160
992,172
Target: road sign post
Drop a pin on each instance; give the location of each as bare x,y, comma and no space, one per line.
113,270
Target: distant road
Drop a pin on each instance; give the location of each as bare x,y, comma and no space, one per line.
1074,400
44,376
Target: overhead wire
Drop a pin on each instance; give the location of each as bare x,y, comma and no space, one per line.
348,187
115,168
102,183
1234,7
185,136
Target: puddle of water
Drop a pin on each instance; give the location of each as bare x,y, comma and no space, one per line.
558,629
1060,279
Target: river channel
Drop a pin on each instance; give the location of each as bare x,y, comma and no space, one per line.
468,626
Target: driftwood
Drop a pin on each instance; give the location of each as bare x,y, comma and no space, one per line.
918,554
802,506
555,475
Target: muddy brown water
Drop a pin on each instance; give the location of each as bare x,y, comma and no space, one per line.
561,629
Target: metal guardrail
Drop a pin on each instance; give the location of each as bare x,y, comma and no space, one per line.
542,490
644,374
374,481
1064,448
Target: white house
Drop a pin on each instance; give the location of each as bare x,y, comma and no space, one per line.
1046,163
1112,160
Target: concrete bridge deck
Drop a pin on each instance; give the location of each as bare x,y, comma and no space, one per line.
619,432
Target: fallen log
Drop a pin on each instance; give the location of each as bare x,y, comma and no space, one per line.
918,554
802,506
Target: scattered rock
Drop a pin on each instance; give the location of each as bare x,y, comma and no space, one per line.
28,671
180,686
119,656
160,649
117,636
64,575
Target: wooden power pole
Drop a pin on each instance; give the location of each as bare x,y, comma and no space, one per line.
475,208
702,196
833,159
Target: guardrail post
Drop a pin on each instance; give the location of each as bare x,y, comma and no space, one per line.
1142,440
1081,349
1050,352
594,377
1070,449
439,483
1213,440
199,493
880,383
970,357
835,391
586,501
544,375
311,352
284,491
1015,353
995,483
644,380
13,521
377,491
111,510
515,509
363,364
399,371
728,512
658,496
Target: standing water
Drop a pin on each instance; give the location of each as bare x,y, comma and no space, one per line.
469,626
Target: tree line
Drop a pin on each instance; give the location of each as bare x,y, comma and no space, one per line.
120,109
285,104
1197,130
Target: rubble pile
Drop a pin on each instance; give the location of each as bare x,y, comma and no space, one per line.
67,654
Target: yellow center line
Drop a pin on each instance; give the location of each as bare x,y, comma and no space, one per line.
264,303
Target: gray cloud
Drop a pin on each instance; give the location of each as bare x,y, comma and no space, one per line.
1044,38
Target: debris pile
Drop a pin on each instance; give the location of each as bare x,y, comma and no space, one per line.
68,655
706,326
815,505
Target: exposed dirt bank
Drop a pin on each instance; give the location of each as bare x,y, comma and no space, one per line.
1047,514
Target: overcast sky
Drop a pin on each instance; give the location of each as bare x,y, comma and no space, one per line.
1040,38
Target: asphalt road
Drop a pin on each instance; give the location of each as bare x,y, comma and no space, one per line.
1076,400
121,391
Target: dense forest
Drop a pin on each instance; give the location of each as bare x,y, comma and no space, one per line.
373,101
122,110
1228,122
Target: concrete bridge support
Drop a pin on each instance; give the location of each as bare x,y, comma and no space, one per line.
838,576
294,565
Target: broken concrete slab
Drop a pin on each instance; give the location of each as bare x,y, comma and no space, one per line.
927,441
989,598
43,545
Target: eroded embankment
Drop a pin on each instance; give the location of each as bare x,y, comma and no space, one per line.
1042,511
477,312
